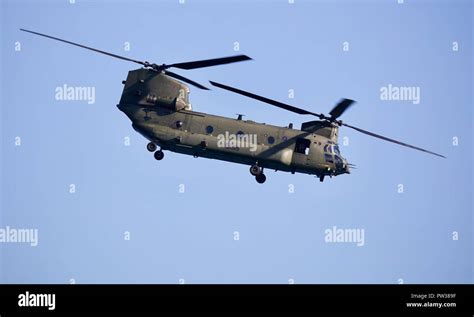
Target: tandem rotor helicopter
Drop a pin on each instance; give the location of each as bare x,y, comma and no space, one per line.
157,103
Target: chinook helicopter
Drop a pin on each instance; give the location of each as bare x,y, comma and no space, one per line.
157,103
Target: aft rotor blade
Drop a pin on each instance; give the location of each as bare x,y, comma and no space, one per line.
340,108
210,62
87,47
189,81
267,100
391,140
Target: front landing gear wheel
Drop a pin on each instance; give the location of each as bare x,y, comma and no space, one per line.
159,155
151,147
255,170
260,178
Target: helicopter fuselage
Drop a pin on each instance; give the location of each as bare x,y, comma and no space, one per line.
175,127
238,141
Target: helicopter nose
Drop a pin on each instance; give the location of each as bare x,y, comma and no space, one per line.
346,166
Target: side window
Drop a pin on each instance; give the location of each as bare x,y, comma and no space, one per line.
302,146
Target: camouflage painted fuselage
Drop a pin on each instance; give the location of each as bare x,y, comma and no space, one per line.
159,109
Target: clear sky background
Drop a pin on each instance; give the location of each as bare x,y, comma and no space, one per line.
190,236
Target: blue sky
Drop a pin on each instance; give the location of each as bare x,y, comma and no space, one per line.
190,236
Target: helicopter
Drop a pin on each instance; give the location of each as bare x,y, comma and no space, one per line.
156,101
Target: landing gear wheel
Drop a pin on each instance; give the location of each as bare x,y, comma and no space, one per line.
151,147
159,155
260,178
321,178
255,170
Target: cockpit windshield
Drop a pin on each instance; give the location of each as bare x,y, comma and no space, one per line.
336,149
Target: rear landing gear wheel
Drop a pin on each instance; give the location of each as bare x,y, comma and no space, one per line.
159,155
321,178
260,178
151,147
255,170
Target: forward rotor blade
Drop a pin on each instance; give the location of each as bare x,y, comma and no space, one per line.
189,81
266,100
87,47
210,62
391,140
340,108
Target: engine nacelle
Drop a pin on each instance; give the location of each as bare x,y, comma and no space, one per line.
149,88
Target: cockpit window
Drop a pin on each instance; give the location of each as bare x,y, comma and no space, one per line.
336,150
328,158
328,148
